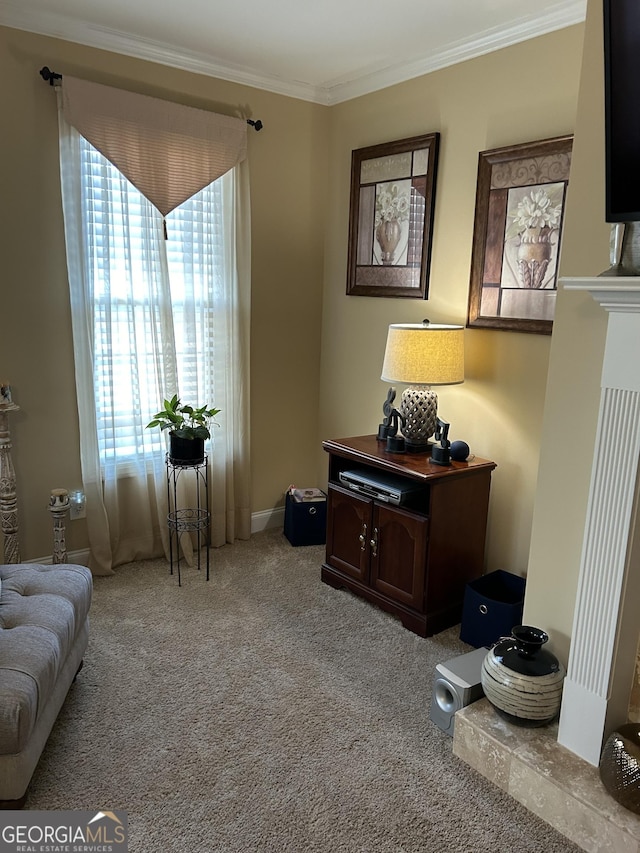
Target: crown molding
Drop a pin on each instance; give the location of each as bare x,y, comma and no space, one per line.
366,81
13,14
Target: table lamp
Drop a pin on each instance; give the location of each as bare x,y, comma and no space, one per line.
421,355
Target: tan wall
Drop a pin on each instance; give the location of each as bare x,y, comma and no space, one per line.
520,94
476,105
288,169
573,392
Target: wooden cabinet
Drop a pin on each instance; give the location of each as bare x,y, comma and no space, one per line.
416,559
377,545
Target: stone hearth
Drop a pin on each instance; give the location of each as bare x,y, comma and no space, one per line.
551,781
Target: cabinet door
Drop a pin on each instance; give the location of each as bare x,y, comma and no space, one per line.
398,555
348,533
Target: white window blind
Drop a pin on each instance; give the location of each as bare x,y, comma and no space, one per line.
149,341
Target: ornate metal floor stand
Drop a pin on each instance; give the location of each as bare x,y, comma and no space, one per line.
188,519
8,499
59,507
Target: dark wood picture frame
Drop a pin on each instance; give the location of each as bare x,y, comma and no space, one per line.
520,201
391,217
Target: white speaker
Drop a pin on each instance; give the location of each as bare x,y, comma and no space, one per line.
456,684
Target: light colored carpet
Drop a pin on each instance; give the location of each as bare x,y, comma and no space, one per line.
265,711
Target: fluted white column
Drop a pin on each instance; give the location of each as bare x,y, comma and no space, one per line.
597,682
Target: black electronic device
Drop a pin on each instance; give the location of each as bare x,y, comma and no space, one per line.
622,118
459,451
379,485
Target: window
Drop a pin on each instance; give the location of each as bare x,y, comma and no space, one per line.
149,339
154,317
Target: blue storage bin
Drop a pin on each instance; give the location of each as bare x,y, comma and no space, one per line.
492,606
305,523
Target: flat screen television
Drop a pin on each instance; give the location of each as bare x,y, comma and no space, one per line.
622,109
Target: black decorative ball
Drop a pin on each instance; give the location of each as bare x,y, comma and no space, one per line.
459,450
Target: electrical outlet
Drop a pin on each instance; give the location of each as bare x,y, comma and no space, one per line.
77,505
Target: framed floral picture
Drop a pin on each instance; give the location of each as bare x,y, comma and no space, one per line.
520,200
391,217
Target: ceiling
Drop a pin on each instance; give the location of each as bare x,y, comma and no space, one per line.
326,51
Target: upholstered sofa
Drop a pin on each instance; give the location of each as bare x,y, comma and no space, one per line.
44,631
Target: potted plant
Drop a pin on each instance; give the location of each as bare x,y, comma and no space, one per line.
188,429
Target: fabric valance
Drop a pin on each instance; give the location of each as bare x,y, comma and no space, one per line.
168,151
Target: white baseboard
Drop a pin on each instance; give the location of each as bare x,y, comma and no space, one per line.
264,520
79,558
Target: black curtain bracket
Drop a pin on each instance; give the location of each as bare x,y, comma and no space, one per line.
50,76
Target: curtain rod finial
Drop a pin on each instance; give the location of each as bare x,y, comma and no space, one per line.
47,74
257,124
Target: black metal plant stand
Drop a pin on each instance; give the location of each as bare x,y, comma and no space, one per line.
188,519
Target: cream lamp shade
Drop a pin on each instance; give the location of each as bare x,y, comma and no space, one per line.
418,354
421,355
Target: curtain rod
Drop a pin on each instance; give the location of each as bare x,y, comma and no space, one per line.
47,74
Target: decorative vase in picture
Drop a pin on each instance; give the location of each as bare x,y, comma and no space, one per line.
534,256
393,203
522,680
536,218
388,236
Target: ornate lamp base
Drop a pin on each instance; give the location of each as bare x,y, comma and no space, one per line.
419,408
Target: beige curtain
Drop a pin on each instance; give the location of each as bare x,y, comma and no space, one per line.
126,504
168,151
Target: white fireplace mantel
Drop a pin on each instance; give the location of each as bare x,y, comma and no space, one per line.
617,293
604,638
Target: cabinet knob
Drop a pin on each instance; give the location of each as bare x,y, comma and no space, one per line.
374,542
363,537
